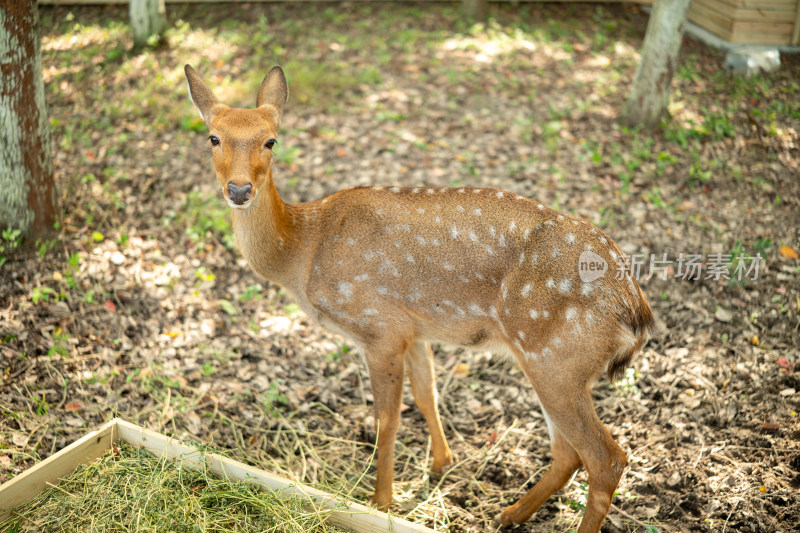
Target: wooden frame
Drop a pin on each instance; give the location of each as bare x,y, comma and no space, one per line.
30,483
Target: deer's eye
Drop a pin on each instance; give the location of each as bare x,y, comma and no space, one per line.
214,140
270,143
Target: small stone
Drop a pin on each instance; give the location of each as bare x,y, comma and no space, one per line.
117,258
723,315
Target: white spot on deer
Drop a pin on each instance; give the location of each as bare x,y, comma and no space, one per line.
570,238
588,247
554,253
512,226
499,194
526,233
421,211
504,289
521,334
464,279
448,266
387,267
603,240
526,290
460,208
370,311
502,240
540,206
395,189
477,191
398,244
551,284
574,222
493,312
410,258
534,314
520,197
521,257
476,310
361,277
586,289
383,291
492,231
415,296
479,276
519,346
565,286
324,302
346,290
454,232
489,250
415,190
325,200
477,212
437,219
534,259
420,239
459,312
547,353
350,241
557,342
571,314
317,269
546,313
369,256
461,191
531,356
560,217
403,227
614,255
593,230
549,223
472,235
430,191
588,318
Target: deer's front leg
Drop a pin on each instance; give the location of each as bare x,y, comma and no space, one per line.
386,375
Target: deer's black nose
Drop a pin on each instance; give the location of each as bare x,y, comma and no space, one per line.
239,195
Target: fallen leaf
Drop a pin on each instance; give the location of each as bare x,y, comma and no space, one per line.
783,362
110,306
788,252
72,406
461,370
771,426
5,461
754,341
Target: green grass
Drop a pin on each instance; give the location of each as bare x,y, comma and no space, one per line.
130,489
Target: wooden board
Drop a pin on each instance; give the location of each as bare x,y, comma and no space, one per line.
764,22
346,514
33,481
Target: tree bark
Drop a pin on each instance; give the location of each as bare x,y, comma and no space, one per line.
649,97
476,9
27,191
148,19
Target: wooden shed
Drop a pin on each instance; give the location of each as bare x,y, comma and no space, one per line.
762,22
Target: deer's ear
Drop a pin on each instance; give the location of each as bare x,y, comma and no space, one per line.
273,93
203,99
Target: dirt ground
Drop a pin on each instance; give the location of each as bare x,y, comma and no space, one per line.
142,307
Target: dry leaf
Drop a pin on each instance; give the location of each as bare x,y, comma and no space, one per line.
461,370
788,252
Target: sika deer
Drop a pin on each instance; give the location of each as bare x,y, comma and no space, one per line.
395,268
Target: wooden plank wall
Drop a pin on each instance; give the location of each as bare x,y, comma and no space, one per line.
767,22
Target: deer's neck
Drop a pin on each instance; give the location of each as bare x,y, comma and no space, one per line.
268,234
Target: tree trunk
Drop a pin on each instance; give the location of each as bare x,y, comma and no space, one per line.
28,194
476,9
647,103
148,19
